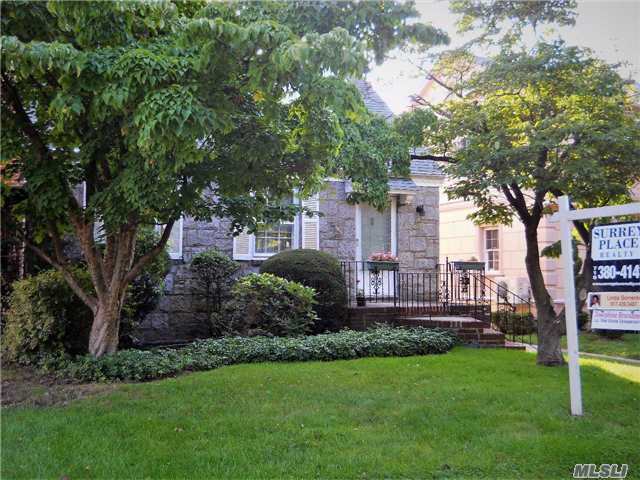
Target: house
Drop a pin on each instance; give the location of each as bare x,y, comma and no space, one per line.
408,228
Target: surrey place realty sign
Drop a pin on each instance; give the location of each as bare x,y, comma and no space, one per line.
615,250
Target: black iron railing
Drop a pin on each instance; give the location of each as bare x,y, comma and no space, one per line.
511,314
371,283
446,290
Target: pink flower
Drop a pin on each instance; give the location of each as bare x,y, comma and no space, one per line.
383,257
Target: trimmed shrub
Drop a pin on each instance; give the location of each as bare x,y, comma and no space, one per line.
138,365
515,323
320,271
215,273
266,305
45,318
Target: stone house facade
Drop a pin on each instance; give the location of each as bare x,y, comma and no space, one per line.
408,228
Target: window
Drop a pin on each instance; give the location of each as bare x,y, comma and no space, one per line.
492,250
301,232
272,239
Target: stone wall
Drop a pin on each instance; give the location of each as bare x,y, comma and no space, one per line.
181,312
338,223
418,234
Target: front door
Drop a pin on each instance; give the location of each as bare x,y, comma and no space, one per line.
377,236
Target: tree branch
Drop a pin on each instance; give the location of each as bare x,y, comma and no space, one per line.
22,118
426,103
437,158
518,203
88,300
147,257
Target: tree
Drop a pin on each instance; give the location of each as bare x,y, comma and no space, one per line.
490,16
533,126
149,105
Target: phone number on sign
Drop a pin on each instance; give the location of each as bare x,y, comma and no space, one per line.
613,272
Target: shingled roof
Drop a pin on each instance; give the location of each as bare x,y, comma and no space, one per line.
375,104
425,167
372,100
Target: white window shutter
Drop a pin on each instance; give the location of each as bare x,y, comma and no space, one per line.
242,246
311,225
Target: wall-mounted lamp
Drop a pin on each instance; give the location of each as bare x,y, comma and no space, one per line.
420,210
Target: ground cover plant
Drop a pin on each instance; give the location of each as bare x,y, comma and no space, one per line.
213,353
468,414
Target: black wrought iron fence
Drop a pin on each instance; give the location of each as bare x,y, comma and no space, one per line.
371,282
446,290
511,314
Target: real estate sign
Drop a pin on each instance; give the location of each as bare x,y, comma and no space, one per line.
614,301
615,249
615,319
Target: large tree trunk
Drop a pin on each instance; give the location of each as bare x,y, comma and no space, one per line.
103,338
549,325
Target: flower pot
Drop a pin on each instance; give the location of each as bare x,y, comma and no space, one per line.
361,301
376,266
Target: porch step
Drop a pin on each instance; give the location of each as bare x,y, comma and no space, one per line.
470,331
462,323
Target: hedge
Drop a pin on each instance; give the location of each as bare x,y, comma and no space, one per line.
139,365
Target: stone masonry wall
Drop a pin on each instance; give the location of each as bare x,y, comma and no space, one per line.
181,312
418,245
338,223
418,235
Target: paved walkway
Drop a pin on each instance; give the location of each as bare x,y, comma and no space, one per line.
611,358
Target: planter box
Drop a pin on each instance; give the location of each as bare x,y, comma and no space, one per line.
375,266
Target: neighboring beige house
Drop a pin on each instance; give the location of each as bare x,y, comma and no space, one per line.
501,247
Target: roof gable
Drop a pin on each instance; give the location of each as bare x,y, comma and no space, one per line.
374,103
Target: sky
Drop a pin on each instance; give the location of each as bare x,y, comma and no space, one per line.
609,27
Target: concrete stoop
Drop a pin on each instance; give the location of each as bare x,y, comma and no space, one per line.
471,331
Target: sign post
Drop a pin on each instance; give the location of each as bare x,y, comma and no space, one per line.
570,314
566,216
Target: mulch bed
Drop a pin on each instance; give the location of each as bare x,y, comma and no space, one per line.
27,387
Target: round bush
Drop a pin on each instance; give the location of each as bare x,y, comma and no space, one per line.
515,323
266,305
317,270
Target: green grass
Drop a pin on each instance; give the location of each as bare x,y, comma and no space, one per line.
628,346
469,413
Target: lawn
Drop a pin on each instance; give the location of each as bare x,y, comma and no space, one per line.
628,346
469,413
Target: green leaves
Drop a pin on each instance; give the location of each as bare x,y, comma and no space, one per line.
557,121
152,103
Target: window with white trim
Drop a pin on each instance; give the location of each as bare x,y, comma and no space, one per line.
275,238
272,239
301,232
492,249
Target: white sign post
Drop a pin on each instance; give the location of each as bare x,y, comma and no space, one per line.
566,216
